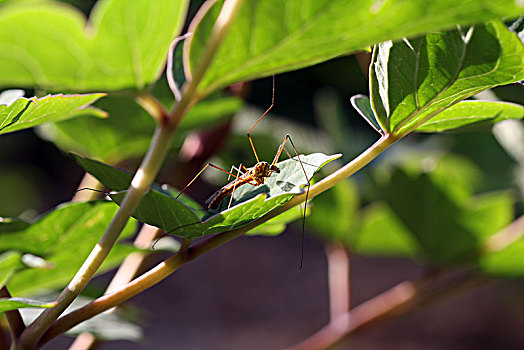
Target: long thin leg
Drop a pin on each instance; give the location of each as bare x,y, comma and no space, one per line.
262,116
275,161
201,171
234,187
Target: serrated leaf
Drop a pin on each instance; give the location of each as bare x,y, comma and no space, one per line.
25,113
128,131
470,112
414,79
47,44
9,262
274,36
64,238
8,304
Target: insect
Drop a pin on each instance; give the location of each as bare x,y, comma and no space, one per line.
255,175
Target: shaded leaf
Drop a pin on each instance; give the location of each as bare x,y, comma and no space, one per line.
274,36
7,304
469,112
47,44
25,113
278,224
64,238
334,213
414,79
382,233
449,225
128,131
105,326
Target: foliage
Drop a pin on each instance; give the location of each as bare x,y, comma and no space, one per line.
427,60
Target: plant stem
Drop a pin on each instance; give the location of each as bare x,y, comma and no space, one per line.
338,279
170,265
141,181
84,341
401,299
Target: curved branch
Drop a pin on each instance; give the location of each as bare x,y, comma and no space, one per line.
170,265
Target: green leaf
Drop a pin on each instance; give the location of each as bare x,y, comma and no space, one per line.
363,106
381,233
449,225
8,304
105,326
159,207
414,79
507,262
25,113
278,224
12,224
9,262
274,36
334,212
128,131
47,44
64,238
469,112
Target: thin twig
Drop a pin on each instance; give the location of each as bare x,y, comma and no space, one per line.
171,264
338,279
403,298
84,341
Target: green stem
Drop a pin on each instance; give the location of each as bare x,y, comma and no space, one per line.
170,265
141,181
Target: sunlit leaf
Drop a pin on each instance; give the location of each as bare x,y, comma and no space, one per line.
7,304
470,112
414,79
25,113
48,44
274,36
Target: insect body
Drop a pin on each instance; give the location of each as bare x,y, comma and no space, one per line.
254,176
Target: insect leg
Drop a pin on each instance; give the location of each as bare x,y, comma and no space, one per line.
234,187
262,116
201,171
275,161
